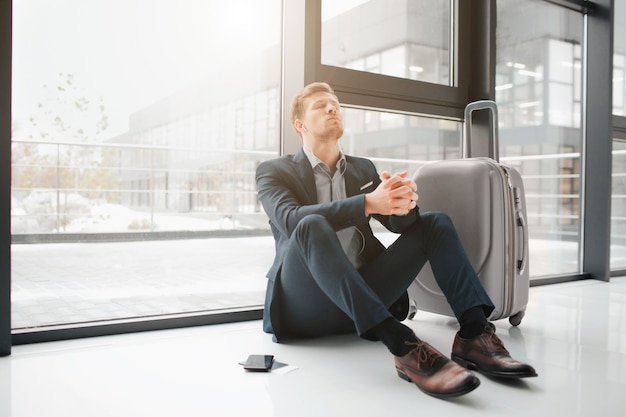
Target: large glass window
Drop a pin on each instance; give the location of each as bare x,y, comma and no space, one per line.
138,124
618,196
618,206
411,40
398,141
538,90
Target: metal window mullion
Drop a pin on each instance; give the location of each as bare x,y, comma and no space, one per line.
597,145
5,178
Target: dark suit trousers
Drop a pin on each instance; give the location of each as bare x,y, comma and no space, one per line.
321,293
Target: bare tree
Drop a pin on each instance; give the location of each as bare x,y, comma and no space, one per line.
62,159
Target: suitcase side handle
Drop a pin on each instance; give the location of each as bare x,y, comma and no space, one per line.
521,263
521,223
466,150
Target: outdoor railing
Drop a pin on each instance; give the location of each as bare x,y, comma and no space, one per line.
109,187
115,188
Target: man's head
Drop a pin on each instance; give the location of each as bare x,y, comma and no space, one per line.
313,101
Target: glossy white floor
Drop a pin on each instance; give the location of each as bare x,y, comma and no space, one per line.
574,334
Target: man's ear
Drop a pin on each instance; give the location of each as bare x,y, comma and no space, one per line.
300,127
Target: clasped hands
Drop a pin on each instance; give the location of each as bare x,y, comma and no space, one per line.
396,194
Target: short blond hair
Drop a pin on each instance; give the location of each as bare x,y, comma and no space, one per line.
297,105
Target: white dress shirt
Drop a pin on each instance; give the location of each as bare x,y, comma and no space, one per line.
332,187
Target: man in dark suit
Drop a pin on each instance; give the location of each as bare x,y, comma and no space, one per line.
331,275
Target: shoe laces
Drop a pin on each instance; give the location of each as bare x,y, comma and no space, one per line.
495,341
424,352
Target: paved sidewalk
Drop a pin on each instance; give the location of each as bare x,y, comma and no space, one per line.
61,283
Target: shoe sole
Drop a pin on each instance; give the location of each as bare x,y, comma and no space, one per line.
442,395
474,367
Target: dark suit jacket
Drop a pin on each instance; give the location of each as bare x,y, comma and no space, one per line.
286,188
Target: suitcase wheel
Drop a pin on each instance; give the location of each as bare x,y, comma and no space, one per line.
412,310
516,319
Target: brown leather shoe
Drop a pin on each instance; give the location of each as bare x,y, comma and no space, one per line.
433,373
486,353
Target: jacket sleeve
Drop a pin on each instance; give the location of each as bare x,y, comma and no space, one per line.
285,200
399,224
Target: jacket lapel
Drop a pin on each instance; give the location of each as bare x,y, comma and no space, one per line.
305,175
352,181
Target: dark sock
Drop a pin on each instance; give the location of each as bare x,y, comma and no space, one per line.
473,322
394,335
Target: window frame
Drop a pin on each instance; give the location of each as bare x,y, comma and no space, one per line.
389,92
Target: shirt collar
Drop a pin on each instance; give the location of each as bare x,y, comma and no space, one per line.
315,161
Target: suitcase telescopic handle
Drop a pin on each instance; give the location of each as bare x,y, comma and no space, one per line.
467,136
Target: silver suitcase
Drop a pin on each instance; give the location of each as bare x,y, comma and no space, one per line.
486,202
